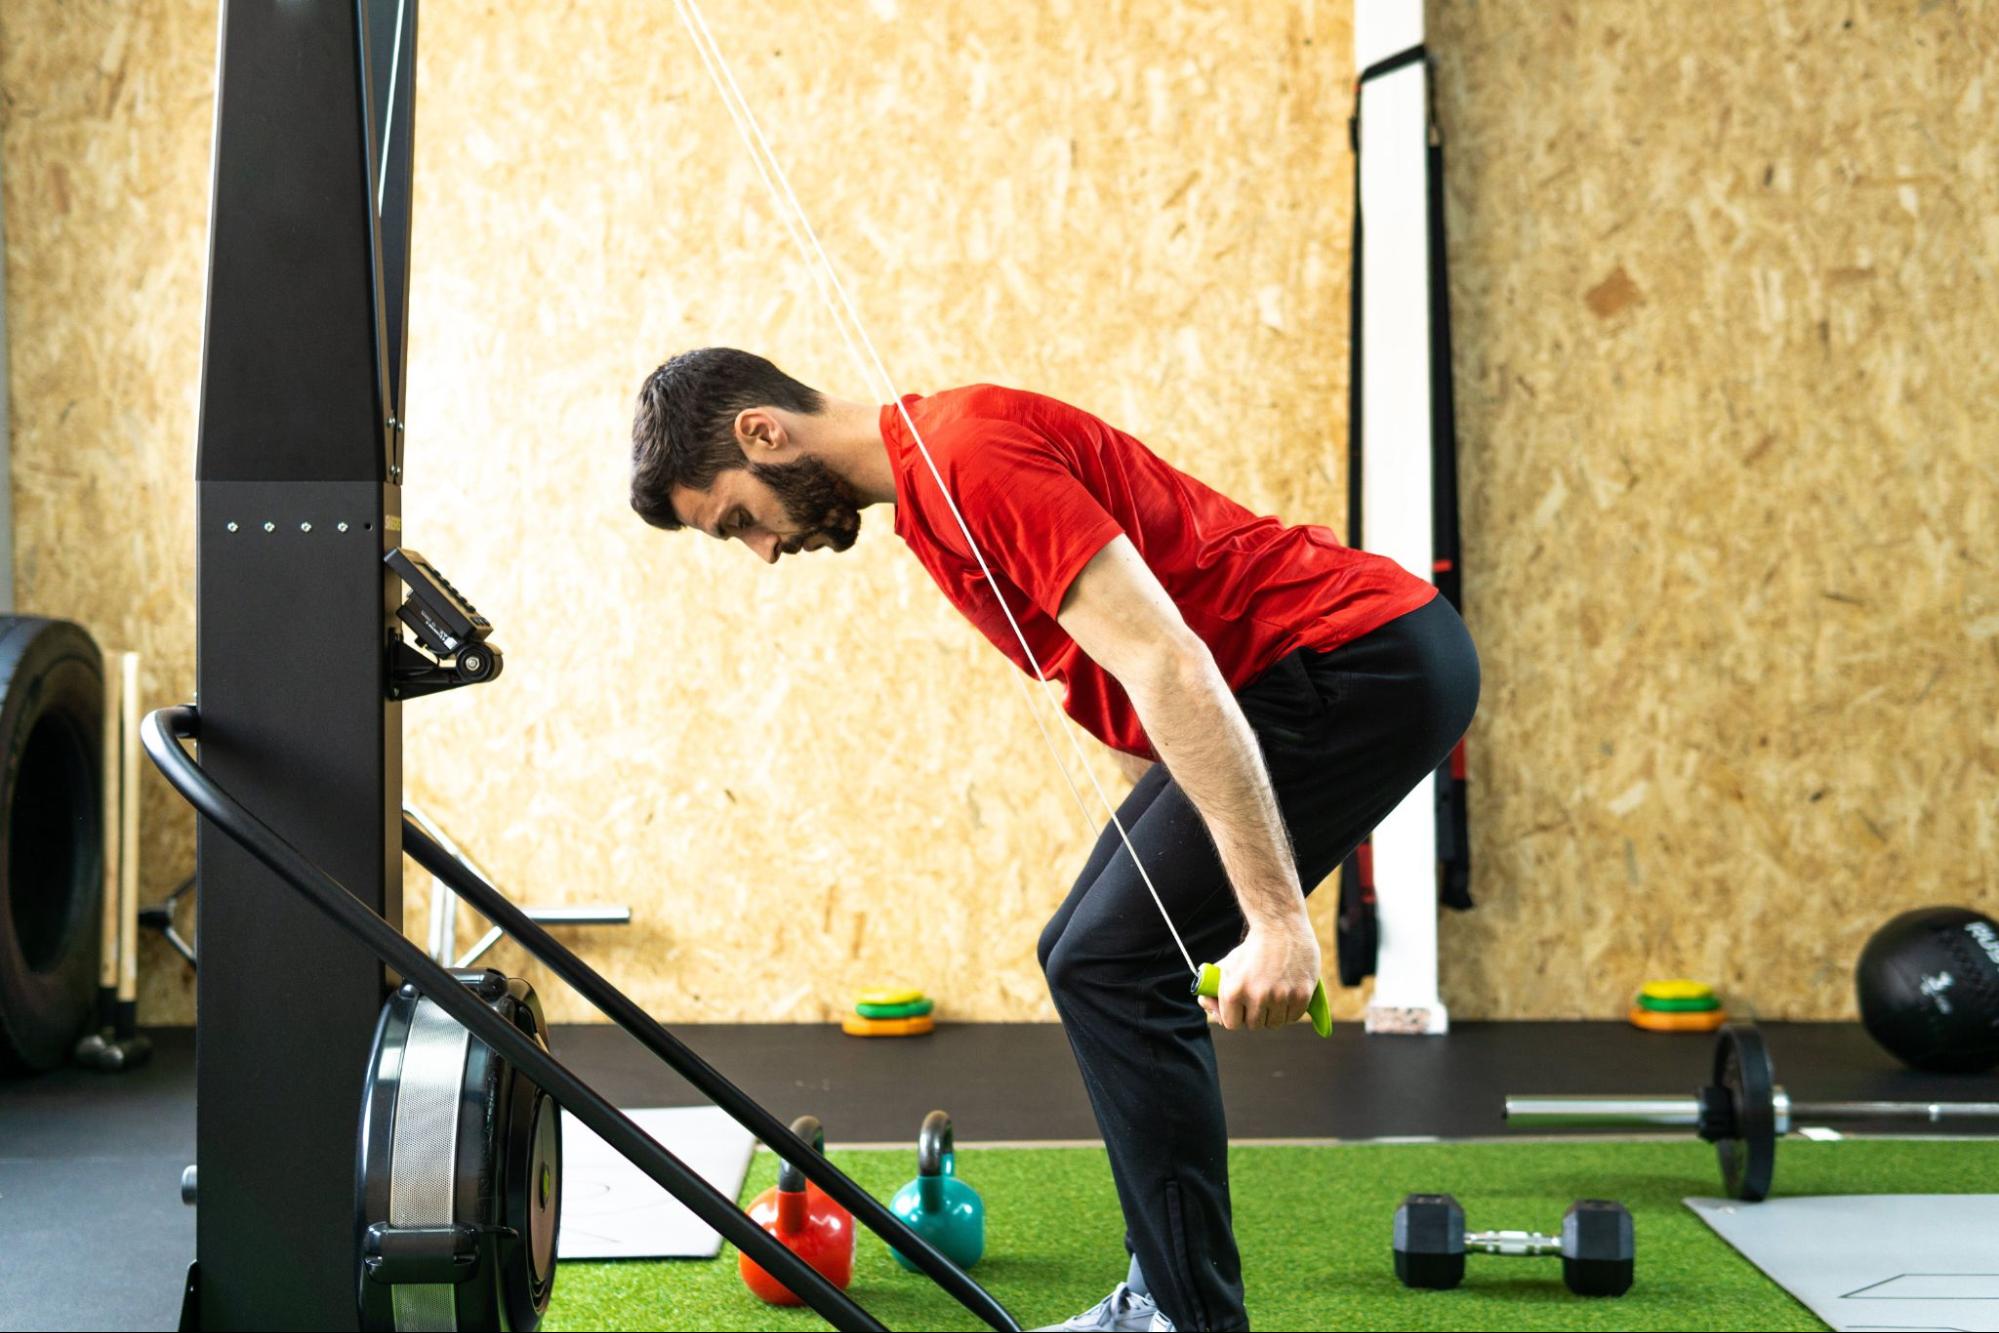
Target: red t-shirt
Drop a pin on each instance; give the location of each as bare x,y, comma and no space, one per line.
1044,486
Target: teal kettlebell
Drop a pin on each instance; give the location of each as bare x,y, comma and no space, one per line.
938,1206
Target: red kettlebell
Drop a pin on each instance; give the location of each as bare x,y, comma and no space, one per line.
806,1220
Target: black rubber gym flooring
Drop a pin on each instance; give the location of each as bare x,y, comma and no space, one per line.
95,1237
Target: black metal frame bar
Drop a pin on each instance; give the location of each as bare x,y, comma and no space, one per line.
162,734
618,1007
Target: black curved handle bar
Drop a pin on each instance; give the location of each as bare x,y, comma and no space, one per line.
161,735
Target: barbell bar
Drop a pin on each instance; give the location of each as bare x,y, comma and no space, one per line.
1743,1111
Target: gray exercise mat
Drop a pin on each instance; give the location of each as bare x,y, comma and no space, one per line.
613,1210
1874,1261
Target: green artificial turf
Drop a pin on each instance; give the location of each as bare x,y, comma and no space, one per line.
1314,1227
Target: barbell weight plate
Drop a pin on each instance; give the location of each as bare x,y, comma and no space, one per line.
856,1026
1653,1020
1742,1069
1693,1004
889,995
913,1009
1677,988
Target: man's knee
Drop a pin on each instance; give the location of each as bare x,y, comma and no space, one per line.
1051,935
1067,966
1095,973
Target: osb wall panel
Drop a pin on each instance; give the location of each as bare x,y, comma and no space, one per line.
808,778
1723,298
1724,291
106,139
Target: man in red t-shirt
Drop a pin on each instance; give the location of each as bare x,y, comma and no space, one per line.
1294,689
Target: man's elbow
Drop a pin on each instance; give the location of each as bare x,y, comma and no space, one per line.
1176,666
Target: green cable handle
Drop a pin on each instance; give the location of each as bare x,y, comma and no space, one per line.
1321,1013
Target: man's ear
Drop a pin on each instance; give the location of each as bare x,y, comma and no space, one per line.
760,434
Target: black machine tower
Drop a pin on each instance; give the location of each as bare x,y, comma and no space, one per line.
299,497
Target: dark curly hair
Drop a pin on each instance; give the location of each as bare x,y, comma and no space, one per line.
684,427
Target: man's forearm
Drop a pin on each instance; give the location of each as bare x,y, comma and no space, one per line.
1199,731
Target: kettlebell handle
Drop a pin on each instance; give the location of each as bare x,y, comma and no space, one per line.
934,1144
791,1180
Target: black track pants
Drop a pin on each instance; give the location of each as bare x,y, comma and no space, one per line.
1345,734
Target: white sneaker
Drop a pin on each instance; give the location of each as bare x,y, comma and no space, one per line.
1123,1311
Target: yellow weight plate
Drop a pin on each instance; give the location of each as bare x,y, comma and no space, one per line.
1680,988
891,995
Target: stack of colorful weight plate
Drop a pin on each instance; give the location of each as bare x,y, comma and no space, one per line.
890,1011
1677,1006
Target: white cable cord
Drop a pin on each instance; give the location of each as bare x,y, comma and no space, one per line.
389,117
841,307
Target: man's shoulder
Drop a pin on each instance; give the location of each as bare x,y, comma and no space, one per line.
973,416
959,424
970,406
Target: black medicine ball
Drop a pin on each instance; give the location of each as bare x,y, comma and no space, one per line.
1929,989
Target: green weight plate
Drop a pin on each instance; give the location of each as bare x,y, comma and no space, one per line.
1742,1070
1698,1004
913,1009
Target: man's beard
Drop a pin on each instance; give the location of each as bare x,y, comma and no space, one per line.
816,500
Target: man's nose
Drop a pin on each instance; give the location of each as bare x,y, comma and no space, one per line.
766,547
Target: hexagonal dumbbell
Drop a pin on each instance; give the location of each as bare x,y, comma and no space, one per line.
1597,1245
